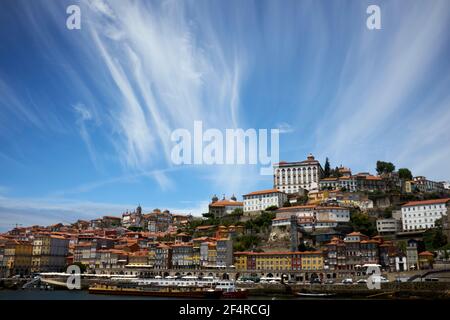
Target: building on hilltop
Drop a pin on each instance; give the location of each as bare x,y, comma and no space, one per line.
257,201
157,221
291,177
220,208
132,219
422,184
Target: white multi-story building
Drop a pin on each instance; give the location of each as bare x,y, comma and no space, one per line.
391,225
257,201
425,185
291,177
347,182
311,215
420,215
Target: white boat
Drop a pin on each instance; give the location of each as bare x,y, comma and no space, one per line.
229,290
302,294
185,281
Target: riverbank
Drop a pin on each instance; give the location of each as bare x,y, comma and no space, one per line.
391,290
421,290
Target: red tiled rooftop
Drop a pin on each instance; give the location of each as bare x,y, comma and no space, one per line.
223,203
426,254
267,191
426,202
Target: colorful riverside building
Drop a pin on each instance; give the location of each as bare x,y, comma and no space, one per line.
49,253
163,256
357,249
279,260
17,257
183,256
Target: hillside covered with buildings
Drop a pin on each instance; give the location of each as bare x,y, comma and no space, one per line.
313,220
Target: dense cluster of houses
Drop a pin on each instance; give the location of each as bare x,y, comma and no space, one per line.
304,202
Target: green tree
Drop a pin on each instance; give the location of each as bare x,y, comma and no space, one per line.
246,242
405,174
362,223
287,204
135,229
435,238
271,208
301,200
335,173
302,247
208,215
401,245
326,168
384,167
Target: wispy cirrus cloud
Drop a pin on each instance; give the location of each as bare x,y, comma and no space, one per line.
84,116
159,175
167,72
285,127
47,211
378,91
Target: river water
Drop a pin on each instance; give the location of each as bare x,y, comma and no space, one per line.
84,295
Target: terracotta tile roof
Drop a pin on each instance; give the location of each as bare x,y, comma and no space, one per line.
204,227
426,202
373,178
182,234
57,237
278,253
185,244
370,241
84,244
112,217
223,203
356,233
329,207
426,254
297,207
200,239
254,193
141,253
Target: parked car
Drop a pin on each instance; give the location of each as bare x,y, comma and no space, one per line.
273,281
347,281
329,281
361,281
383,279
315,280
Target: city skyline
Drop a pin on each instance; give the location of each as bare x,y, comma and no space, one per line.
86,115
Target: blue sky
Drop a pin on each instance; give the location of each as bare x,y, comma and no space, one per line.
86,115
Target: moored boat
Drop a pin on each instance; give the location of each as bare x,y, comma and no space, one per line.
170,292
229,290
312,295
